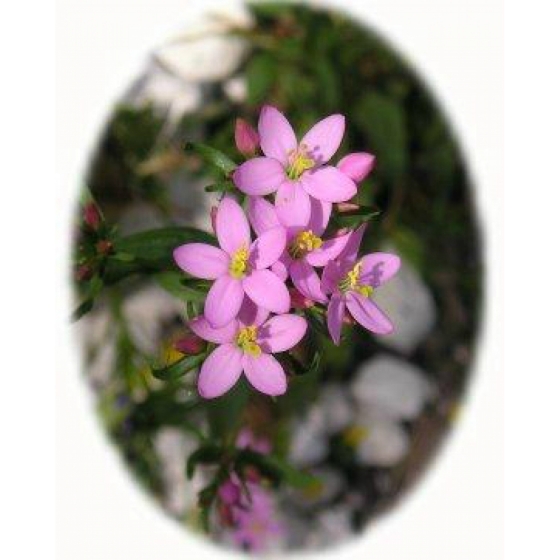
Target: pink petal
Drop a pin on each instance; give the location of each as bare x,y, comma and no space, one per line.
324,139
251,314
223,301
319,216
282,332
368,314
378,268
220,371
329,184
328,251
350,252
276,134
280,268
259,176
267,248
262,214
293,206
202,328
265,374
232,227
332,275
201,260
335,316
307,281
357,166
267,290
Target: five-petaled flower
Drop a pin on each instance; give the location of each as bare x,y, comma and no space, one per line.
296,172
246,344
305,247
238,266
351,282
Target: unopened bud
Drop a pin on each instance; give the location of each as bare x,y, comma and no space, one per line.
229,492
189,344
357,166
83,272
104,247
299,301
91,215
213,214
246,138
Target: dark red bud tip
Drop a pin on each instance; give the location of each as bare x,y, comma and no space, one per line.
246,138
189,344
91,215
104,247
83,272
299,301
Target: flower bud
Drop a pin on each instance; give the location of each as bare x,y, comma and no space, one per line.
357,166
189,344
104,247
246,138
299,301
229,493
213,214
91,215
83,272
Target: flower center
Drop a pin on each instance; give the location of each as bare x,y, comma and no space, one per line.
352,282
299,162
247,341
304,242
354,435
238,265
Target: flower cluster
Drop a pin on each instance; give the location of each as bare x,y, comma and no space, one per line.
289,194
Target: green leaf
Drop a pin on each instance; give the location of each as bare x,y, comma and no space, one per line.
186,289
207,454
317,321
221,187
274,468
213,157
179,368
92,290
382,120
150,251
356,218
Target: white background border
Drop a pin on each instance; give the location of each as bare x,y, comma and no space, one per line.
456,512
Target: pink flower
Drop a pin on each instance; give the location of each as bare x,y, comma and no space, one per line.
295,171
357,166
246,345
238,267
351,283
248,440
256,523
305,248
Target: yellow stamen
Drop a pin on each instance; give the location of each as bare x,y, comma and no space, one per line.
238,265
300,162
247,341
352,282
354,435
305,242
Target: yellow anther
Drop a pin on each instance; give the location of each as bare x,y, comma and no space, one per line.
300,162
354,435
247,341
352,282
238,265
305,242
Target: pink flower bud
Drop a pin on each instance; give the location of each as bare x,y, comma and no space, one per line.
298,300
189,344
213,214
84,272
357,166
91,215
246,138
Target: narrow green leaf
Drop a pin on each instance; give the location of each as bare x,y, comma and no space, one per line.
221,187
355,218
179,368
207,454
213,157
